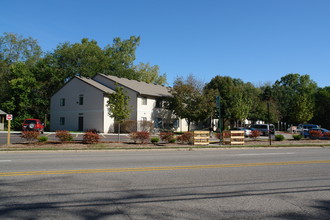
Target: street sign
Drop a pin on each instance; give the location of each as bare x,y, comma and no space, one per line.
9,118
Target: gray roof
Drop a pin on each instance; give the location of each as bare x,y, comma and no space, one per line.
2,112
142,88
96,84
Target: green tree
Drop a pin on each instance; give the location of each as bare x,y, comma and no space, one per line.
22,94
188,101
85,58
237,98
121,56
322,107
294,94
149,74
260,109
20,90
15,48
118,106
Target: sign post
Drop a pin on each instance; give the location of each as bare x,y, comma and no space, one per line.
218,105
9,118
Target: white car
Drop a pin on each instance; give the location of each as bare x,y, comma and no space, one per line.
247,131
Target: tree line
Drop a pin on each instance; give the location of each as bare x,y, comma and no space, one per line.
30,76
293,99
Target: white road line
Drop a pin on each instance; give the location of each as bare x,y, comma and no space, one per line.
262,154
5,161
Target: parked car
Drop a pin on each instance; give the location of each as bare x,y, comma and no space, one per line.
303,129
265,129
307,133
33,125
247,131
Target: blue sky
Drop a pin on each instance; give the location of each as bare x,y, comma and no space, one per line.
258,41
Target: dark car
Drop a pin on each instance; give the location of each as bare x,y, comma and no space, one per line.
247,131
265,129
303,129
310,131
33,125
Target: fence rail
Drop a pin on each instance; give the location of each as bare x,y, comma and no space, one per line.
233,137
201,137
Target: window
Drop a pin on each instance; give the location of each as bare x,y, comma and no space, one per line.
81,99
176,123
159,103
62,102
144,118
144,101
62,121
159,123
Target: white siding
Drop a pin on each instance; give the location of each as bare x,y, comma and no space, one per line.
145,111
92,110
108,121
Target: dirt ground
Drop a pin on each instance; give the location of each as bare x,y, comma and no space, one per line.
112,145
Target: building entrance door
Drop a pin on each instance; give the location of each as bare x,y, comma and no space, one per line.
81,123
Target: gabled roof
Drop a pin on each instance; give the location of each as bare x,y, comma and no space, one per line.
2,112
95,84
142,88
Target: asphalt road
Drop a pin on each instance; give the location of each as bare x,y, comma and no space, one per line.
287,183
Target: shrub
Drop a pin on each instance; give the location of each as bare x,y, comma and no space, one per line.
166,136
179,138
279,137
255,134
91,138
172,141
93,130
64,136
30,135
127,126
327,134
154,140
43,139
315,134
133,136
186,138
141,136
297,137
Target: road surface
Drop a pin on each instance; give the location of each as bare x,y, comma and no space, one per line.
274,183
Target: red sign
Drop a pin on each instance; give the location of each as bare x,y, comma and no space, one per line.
9,117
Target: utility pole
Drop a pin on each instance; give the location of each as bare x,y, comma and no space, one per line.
218,105
269,134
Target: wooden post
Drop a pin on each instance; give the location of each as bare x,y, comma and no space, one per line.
8,137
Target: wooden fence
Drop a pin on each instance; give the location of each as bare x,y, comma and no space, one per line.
201,137
233,137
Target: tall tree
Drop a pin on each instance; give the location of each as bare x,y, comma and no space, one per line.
85,58
149,74
118,106
23,94
187,100
121,56
19,88
322,107
294,94
237,98
15,48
